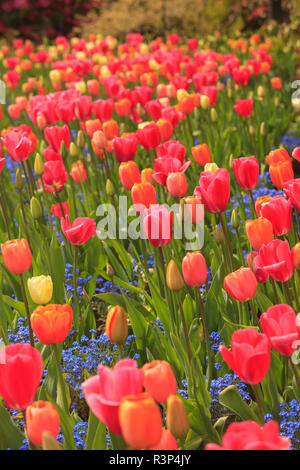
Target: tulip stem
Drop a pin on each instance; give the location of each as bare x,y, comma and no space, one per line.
275,290
253,313
206,339
252,200
185,331
167,297
258,402
27,180
295,372
295,291
60,379
288,294
60,203
75,251
227,239
27,310
5,217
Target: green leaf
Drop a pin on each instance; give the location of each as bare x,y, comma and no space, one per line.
231,399
96,435
10,435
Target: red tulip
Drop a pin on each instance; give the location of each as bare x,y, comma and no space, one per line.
16,255
103,109
292,190
56,135
241,284
172,148
149,136
249,435
54,176
250,355
279,212
244,107
78,172
279,324
18,146
246,170
157,223
125,148
260,272
41,416
81,230
193,209
83,108
259,232
296,153
20,376
276,258
214,190
103,392
163,166
56,209
51,155
194,269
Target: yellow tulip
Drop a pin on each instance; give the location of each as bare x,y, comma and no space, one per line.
40,289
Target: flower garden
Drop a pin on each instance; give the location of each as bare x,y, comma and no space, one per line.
150,250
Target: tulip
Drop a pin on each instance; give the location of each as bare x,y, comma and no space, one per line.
110,129
116,326
129,174
51,155
281,173
276,82
241,284
276,258
123,107
41,416
80,231
279,212
20,376
260,272
215,190
56,209
56,135
201,154
165,129
149,136
18,146
52,323
172,148
173,277
163,166
103,109
194,269
143,196
140,421
177,421
250,355
260,201
212,167
249,435
125,148
296,256
167,442
40,289
296,153
103,392
176,184
259,232
279,324
146,176
292,190
78,172
244,107
246,170
193,209
157,223
159,380
54,176
16,255
278,156
91,126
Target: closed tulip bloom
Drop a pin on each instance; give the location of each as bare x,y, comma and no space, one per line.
116,326
244,107
277,260
246,170
41,416
54,176
80,231
78,172
292,190
296,153
146,176
259,232
16,255
129,174
279,212
167,442
110,129
143,196
279,324
158,223
281,173
177,421
241,284
193,209
103,109
140,420
260,201
296,256
40,289
56,135
250,435
165,129
278,156
215,190
194,269
250,355
177,184
159,380
18,146
52,323
201,154
104,391
91,126
123,107
173,277
125,148
163,166
149,136
20,375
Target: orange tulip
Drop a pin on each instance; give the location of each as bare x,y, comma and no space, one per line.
122,107
129,174
177,421
116,326
259,232
296,256
16,255
241,284
281,172
41,416
260,201
201,154
165,129
143,194
277,155
146,176
140,420
78,172
110,129
52,323
276,82
159,380
92,126
177,184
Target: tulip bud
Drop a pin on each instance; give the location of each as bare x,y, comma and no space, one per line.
177,421
213,115
251,130
116,326
38,165
73,150
80,139
260,91
235,222
35,208
219,235
204,102
40,289
229,92
110,270
19,182
262,129
109,188
174,278
63,150
41,122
